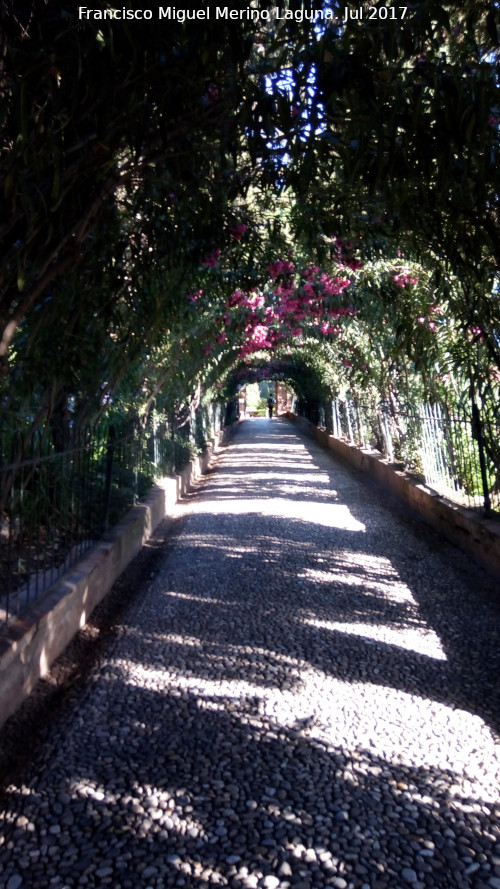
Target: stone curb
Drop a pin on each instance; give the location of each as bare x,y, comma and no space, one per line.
477,536
31,643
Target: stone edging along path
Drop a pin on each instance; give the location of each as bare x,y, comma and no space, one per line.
32,642
477,536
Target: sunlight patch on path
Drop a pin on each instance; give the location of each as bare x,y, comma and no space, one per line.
421,641
329,515
386,722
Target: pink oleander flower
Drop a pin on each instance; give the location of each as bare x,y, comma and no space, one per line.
311,271
256,300
280,267
237,231
236,299
259,334
333,287
404,279
212,261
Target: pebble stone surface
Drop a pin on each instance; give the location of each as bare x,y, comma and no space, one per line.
305,695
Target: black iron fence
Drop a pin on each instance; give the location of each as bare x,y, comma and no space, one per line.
59,495
456,453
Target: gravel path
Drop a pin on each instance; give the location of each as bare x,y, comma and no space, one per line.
305,695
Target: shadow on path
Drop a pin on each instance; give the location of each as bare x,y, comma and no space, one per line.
297,700
340,571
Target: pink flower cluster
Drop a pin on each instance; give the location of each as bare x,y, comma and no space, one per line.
237,231
404,279
433,312
280,267
272,319
289,305
423,320
475,332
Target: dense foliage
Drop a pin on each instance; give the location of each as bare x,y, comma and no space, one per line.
184,201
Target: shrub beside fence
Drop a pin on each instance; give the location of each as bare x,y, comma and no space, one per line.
58,498
456,454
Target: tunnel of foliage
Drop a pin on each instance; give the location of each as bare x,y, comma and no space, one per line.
187,204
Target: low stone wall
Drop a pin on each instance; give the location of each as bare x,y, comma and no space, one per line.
475,535
33,641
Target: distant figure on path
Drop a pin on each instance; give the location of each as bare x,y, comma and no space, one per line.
270,405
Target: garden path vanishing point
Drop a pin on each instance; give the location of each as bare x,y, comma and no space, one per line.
305,695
